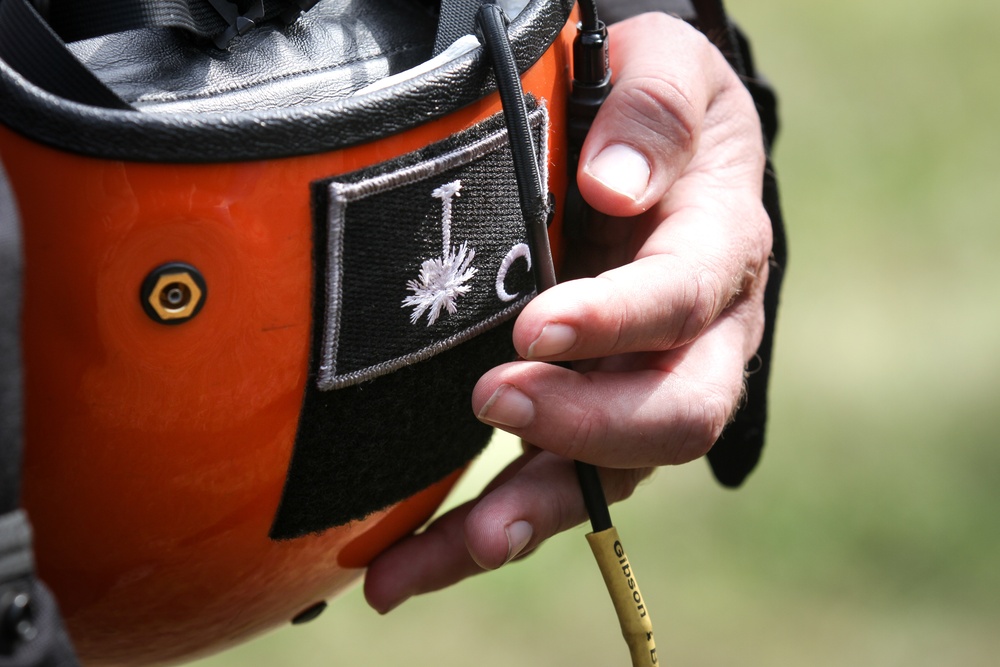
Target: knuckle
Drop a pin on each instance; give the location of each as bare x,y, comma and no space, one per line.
592,425
754,249
665,107
704,295
762,225
704,425
758,246
744,111
607,305
710,281
682,314
621,318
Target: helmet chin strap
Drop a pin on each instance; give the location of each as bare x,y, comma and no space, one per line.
29,45
458,18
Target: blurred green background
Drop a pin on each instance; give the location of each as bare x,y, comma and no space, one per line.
870,535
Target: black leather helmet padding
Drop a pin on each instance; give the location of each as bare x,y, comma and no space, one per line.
330,52
312,126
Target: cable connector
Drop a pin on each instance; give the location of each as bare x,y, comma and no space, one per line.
633,616
591,81
591,86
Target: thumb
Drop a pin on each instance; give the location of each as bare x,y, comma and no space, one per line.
665,76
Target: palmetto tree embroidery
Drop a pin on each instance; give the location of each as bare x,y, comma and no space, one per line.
442,280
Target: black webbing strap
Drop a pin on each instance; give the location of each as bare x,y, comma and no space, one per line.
10,351
457,19
713,21
32,48
736,453
35,45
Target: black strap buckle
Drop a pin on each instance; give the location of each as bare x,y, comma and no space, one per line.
242,16
241,21
290,15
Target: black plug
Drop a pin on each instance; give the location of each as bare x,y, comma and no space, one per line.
591,86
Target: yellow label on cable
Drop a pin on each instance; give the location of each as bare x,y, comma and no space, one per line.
629,605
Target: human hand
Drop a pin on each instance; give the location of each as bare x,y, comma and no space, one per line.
673,165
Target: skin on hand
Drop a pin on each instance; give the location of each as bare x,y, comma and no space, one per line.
663,313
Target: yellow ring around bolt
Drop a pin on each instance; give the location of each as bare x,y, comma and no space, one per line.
165,281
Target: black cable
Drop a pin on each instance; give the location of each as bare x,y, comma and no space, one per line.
588,13
593,496
591,86
492,24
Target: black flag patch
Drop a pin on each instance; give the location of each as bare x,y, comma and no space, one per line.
422,265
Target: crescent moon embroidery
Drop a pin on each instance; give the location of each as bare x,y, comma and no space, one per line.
515,253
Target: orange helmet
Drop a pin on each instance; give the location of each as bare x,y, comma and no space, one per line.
258,292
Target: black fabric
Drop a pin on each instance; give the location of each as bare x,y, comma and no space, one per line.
16,559
458,18
738,451
30,46
11,402
316,125
613,11
43,641
394,414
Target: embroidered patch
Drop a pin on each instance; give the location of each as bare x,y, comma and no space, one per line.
421,266
392,259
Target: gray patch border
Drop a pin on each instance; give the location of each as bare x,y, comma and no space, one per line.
342,194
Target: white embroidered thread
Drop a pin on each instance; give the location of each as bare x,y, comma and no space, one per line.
518,251
443,279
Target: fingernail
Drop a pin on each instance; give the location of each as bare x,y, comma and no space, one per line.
518,535
622,169
554,339
508,407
